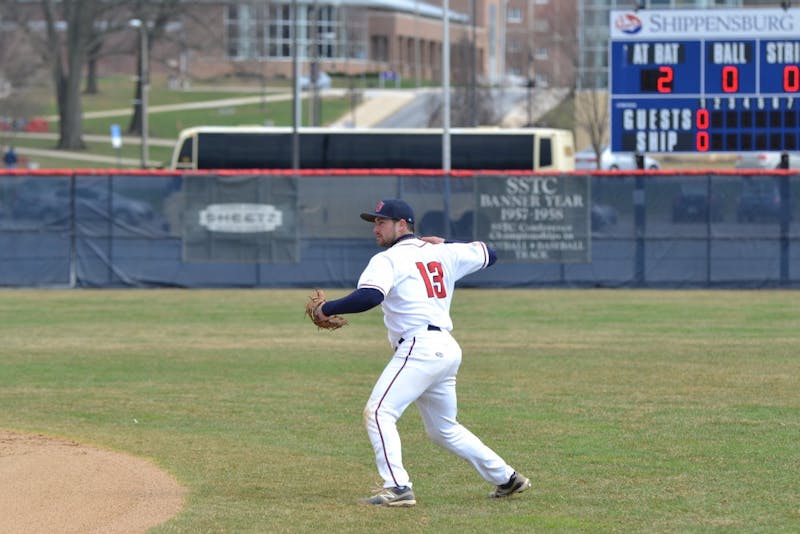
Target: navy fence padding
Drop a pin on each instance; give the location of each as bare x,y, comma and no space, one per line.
648,229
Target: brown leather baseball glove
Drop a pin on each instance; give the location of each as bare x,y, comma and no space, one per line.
314,311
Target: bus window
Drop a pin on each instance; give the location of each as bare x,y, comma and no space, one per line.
545,152
243,151
185,155
511,152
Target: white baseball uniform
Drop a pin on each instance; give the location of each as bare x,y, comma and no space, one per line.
417,280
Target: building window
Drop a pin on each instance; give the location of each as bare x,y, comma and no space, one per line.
514,15
265,31
542,53
280,31
239,24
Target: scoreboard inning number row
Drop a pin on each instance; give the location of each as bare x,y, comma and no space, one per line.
705,80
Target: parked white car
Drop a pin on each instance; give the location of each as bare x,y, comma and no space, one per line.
765,160
586,160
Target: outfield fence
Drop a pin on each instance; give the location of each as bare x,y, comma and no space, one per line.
282,229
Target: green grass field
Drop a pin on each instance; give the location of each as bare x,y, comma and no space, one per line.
631,411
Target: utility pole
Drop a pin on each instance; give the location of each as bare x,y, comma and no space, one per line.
314,43
417,55
446,87
144,83
296,115
473,77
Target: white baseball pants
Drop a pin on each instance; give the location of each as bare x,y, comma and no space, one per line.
423,370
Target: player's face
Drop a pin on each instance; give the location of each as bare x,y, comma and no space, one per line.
385,231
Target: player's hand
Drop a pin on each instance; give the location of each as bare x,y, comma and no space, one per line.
433,240
319,316
314,311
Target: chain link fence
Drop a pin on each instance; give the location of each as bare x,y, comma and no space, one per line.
250,229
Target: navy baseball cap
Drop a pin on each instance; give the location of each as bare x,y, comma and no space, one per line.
391,209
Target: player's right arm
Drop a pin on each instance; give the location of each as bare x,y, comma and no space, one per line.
491,253
360,300
374,283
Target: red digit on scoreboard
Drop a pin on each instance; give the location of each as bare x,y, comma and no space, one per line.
701,119
701,141
730,79
665,77
791,78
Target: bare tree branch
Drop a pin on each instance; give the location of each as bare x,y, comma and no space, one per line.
591,115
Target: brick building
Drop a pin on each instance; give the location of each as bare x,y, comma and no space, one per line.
503,39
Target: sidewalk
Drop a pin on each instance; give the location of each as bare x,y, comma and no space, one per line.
82,156
543,101
206,104
378,104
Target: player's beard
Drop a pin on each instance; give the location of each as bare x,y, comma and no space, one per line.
388,240
387,243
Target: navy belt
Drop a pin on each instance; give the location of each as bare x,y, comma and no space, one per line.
431,328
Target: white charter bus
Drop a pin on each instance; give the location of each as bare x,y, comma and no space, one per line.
210,147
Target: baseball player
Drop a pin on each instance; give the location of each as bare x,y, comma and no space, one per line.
413,281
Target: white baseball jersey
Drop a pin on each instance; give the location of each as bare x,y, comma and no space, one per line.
417,280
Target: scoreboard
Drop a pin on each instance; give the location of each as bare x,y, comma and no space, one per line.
716,80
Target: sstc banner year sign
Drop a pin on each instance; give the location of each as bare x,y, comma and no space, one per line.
535,218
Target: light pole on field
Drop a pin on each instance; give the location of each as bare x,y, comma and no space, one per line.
446,86
296,102
144,81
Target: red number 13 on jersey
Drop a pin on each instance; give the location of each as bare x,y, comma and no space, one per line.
433,276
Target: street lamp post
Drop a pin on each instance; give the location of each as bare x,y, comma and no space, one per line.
296,102
144,82
446,86
446,161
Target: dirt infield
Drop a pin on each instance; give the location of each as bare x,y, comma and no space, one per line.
52,485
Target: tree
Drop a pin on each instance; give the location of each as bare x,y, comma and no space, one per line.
92,87
65,52
155,18
61,35
68,38
18,70
470,104
591,114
